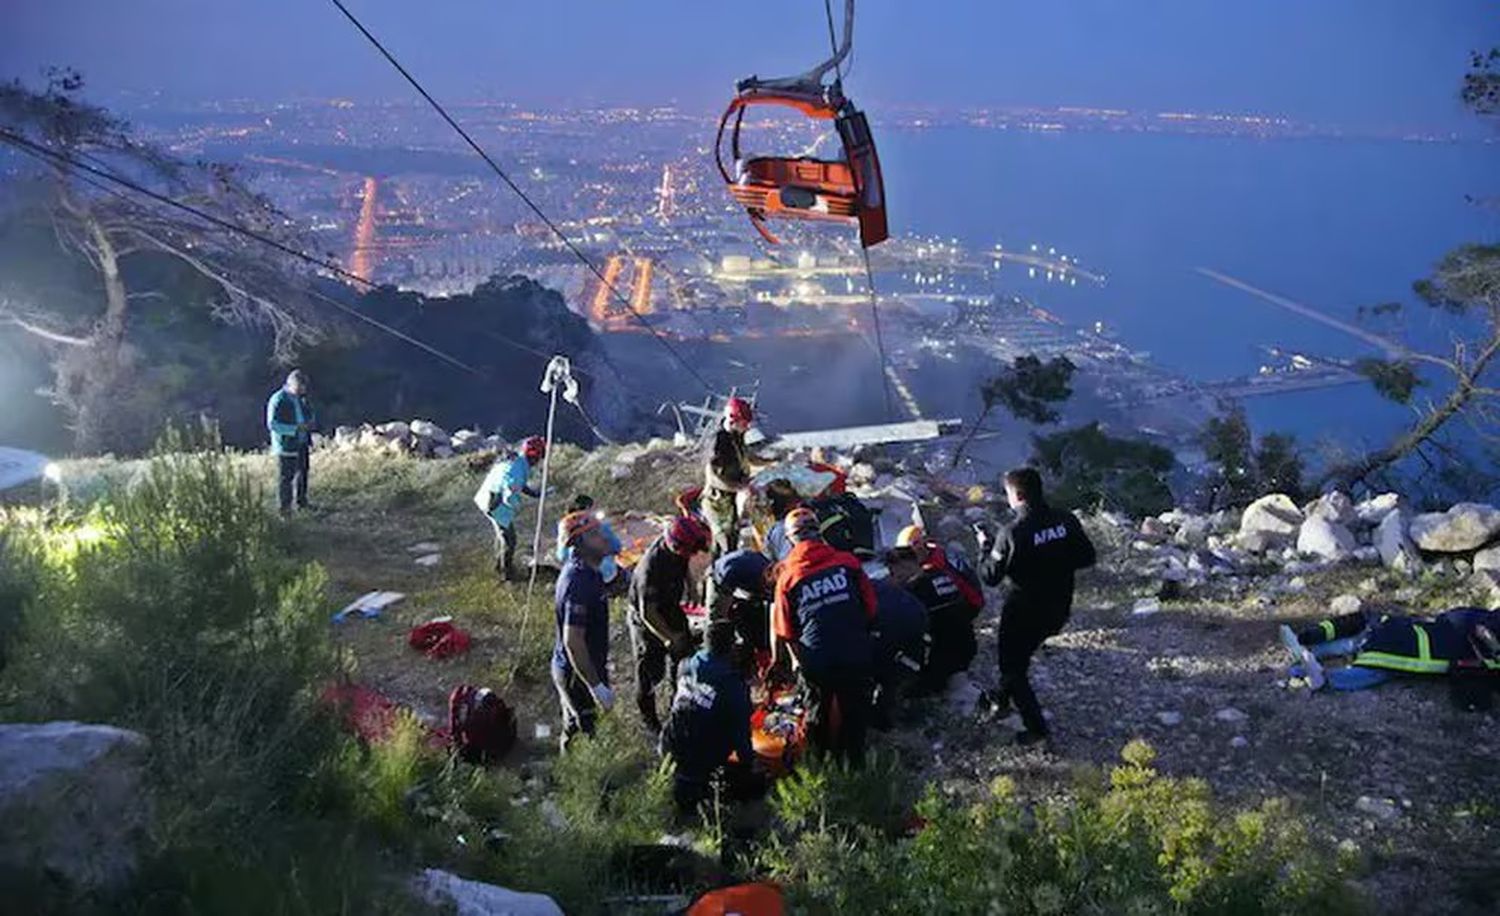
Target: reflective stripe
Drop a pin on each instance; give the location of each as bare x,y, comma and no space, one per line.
1400,663
1328,631
1424,644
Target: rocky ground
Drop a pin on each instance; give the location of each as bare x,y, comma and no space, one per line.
1173,640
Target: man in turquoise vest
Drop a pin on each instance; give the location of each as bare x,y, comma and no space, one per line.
499,498
290,421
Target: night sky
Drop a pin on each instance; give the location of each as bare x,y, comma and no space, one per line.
1356,63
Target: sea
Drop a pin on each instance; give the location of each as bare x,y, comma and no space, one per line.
1335,224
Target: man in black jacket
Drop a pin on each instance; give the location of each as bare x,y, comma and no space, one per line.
1038,554
658,627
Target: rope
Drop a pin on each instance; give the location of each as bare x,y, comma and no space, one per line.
885,380
535,209
541,515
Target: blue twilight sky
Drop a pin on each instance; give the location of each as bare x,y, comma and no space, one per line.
1376,63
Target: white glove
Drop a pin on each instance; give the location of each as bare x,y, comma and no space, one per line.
603,696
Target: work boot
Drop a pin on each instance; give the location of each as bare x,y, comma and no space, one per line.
993,705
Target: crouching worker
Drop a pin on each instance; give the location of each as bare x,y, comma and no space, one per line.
900,643
659,633
499,498
742,596
1380,647
580,652
709,721
949,589
822,615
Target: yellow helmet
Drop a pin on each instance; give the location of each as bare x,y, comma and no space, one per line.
911,536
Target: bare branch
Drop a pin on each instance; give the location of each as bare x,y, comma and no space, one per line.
48,335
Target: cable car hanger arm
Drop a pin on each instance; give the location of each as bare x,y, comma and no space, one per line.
812,80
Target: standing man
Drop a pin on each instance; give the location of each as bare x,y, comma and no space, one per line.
1038,554
823,612
658,627
499,498
291,422
580,651
728,476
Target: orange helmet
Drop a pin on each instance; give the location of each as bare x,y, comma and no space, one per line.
911,536
576,524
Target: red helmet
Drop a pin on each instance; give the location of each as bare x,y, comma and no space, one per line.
738,412
534,448
687,535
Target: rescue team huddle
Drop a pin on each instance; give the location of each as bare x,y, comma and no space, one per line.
830,649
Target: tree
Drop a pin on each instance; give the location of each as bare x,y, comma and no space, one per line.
1465,288
1027,389
116,236
1244,470
1089,469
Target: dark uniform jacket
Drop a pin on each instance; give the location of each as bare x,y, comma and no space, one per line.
729,464
710,717
657,588
1038,555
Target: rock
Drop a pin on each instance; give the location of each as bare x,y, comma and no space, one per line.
1169,718
1345,604
1232,715
1275,515
370,440
1380,808
1154,529
396,429
465,440
1144,606
1297,585
442,451
1224,521
1336,507
1239,741
1367,555
429,560
1322,537
475,898
346,437
1465,527
619,471
1258,541
72,802
1193,532
1395,548
1487,559
1487,582
426,429
425,547
1373,511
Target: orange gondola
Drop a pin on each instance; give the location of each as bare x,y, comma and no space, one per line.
848,190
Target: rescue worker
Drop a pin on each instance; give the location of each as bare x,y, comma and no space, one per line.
822,614
782,498
609,569
728,476
742,587
900,645
709,720
499,498
291,421
1382,646
950,590
580,652
659,633
1038,554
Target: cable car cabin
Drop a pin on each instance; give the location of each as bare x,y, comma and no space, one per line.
848,190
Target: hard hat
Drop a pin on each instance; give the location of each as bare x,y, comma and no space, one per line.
296,378
576,524
738,412
802,524
687,536
534,448
911,536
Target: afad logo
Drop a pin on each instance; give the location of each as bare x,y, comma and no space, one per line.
831,583
1048,535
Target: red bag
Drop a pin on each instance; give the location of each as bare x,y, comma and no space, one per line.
761,899
439,638
482,727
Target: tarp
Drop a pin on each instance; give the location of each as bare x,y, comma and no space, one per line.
18,466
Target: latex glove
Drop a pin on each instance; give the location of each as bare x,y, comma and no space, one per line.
603,696
984,536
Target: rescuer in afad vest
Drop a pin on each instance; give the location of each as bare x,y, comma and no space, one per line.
1038,555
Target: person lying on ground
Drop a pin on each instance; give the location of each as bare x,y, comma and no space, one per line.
822,614
580,649
499,498
609,569
659,632
1038,555
708,722
950,590
1382,646
899,643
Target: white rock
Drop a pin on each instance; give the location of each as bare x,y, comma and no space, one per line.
1144,606
71,802
619,471
1336,507
1487,582
443,451
425,547
346,436
426,429
429,560
1373,510
396,429
1274,515
1325,538
1488,558
1345,604
1396,549
1193,532
1154,529
1382,808
1465,527
1169,718
475,898
1230,714
1297,585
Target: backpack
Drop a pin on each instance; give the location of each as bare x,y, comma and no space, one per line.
847,523
483,728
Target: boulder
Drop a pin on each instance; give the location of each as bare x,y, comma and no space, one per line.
1192,532
1487,559
426,429
1258,541
1325,538
1465,527
346,437
1486,582
442,451
396,429
1336,506
465,440
1274,515
1372,511
1345,604
1154,529
370,440
72,802
475,898
1396,549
